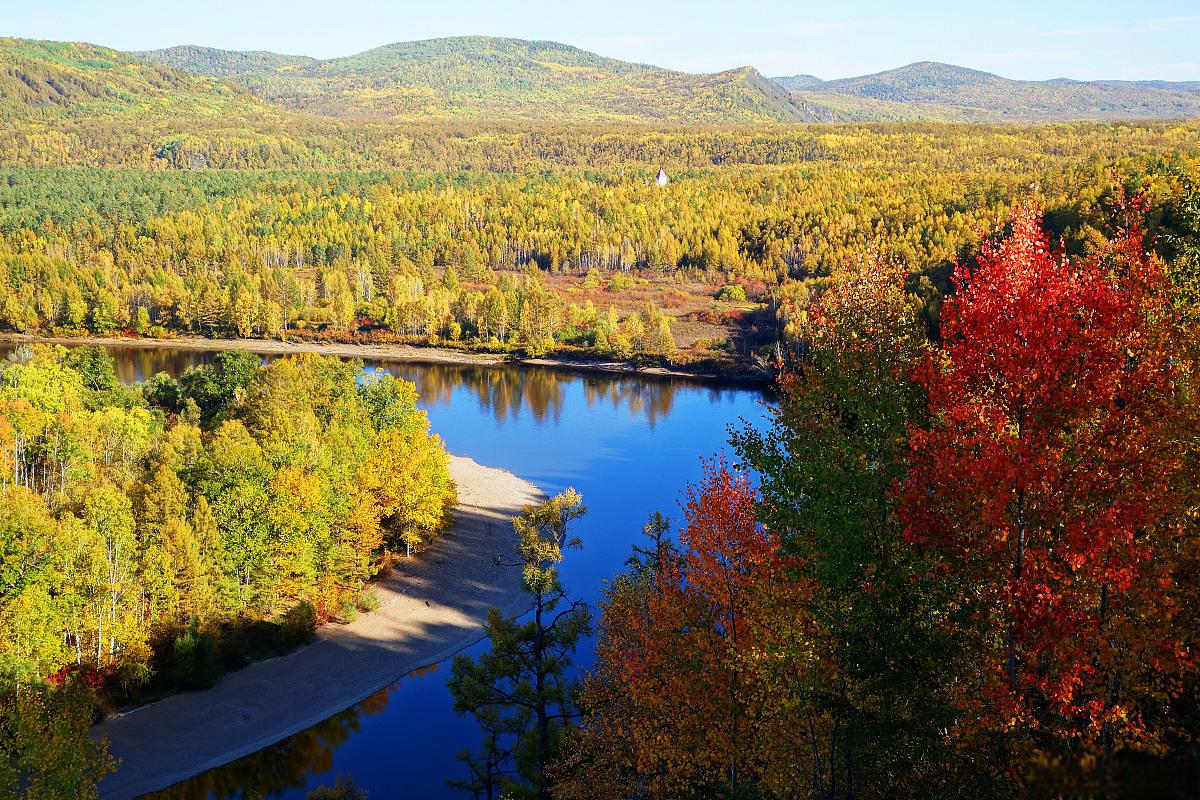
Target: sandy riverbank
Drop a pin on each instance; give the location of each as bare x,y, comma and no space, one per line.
432,607
392,352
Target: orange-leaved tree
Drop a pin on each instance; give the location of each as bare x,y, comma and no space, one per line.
702,656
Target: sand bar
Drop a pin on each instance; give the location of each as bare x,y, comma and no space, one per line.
432,607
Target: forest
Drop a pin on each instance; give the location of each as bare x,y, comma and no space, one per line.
546,257
156,535
961,560
959,566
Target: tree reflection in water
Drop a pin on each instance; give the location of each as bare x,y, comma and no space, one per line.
508,391
286,765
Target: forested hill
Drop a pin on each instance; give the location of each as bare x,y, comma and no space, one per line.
478,77
86,80
932,91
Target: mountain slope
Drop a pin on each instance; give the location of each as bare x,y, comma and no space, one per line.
222,63
83,79
929,90
494,78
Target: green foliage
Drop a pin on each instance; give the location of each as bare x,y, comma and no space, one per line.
368,601
838,445
45,750
123,531
298,626
347,612
193,662
1184,237
217,387
733,293
519,691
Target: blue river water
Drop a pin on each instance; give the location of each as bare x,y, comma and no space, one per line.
628,444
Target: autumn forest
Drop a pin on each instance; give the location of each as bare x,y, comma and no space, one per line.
959,557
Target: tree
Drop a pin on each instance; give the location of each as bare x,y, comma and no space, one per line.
45,750
109,517
703,655
520,690
31,644
1037,485
838,444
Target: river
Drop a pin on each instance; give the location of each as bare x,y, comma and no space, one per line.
628,444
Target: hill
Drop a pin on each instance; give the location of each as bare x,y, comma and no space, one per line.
222,63
87,80
479,77
929,90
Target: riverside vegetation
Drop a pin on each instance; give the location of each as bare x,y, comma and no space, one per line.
965,566
963,563
156,535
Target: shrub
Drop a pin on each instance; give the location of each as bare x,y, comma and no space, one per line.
368,601
235,648
193,663
297,627
620,283
732,293
347,612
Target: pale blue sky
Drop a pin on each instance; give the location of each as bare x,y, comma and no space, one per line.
1018,39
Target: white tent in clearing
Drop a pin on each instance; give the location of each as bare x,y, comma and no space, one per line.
662,179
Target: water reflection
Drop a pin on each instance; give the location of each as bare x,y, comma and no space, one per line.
286,765
506,392
136,364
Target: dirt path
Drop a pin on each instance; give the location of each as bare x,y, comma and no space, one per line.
432,607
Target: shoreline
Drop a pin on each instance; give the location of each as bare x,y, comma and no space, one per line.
396,352
432,607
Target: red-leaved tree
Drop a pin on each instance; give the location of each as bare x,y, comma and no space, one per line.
1038,483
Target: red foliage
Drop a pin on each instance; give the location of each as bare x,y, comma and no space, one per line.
94,679
1044,469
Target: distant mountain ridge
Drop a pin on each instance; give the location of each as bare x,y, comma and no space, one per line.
483,78
76,78
935,90
490,77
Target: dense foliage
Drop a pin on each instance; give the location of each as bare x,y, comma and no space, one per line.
147,530
969,568
598,260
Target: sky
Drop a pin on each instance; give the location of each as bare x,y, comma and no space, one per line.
1151,39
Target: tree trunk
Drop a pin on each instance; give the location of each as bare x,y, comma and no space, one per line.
543,718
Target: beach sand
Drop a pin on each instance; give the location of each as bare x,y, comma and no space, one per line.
432,606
